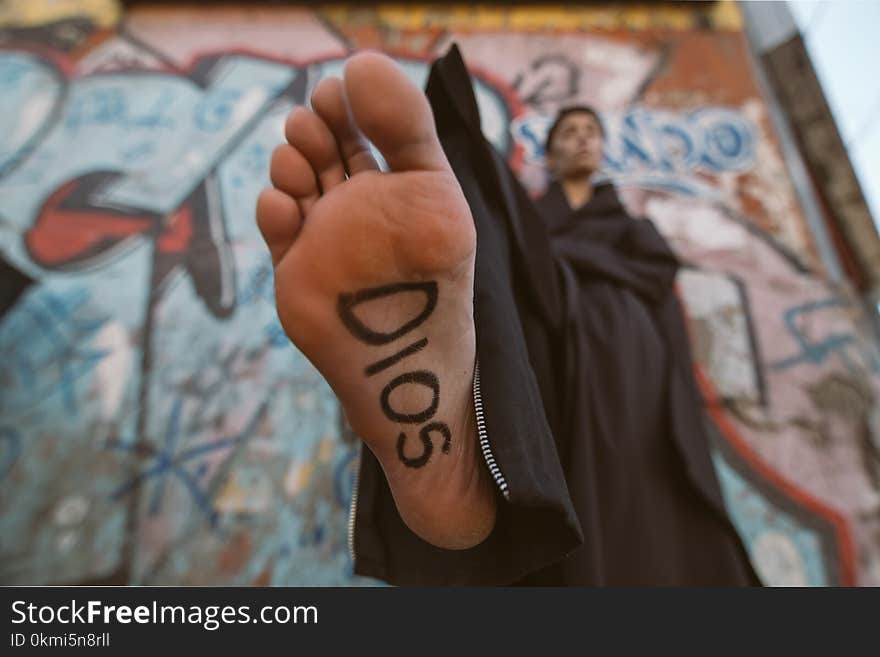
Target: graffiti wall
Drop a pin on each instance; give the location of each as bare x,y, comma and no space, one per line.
157,427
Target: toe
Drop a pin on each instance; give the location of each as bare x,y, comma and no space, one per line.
308,133
279,219
329,103
393,113
292,173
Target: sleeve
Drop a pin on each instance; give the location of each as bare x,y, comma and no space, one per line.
536,523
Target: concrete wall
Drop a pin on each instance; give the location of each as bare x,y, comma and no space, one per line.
811,128
156,425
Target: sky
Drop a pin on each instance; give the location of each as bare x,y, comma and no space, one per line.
843,40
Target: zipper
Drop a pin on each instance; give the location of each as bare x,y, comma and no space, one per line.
485,448
352,508
483,437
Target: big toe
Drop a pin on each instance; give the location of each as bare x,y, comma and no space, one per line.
393,113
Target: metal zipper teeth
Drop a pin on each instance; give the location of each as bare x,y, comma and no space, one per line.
352,511
483,437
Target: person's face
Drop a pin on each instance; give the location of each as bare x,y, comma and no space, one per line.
576,149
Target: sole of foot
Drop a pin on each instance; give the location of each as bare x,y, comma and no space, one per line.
374,284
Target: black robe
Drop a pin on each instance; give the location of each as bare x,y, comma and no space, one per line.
591,409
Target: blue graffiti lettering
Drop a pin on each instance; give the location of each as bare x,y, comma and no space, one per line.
168,461
728,138
109,106
213,112
817,352
259,286
46,340
99,106
676,146
275,335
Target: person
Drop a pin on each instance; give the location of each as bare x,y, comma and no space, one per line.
521,384
573,148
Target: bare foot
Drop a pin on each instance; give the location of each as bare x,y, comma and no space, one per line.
374,284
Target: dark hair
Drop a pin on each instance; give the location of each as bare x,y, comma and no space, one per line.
564,112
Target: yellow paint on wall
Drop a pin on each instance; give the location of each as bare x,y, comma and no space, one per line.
326,449
726,15
720,15
105,13
297,478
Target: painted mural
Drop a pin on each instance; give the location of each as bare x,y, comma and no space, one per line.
157,427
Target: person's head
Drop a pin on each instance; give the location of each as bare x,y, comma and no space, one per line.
574,142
